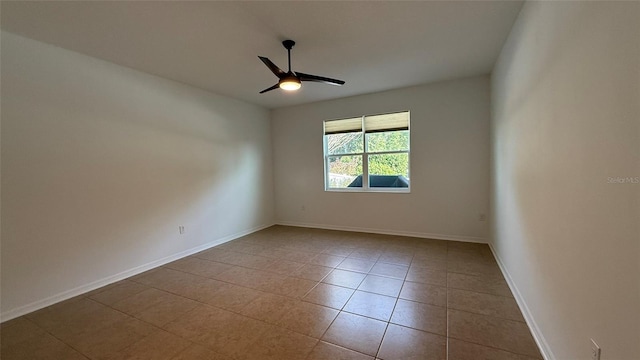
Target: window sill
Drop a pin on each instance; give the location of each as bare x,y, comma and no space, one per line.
370,190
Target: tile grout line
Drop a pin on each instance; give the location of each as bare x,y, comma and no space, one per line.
57,338
394,309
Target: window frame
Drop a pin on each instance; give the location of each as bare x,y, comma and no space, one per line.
365,158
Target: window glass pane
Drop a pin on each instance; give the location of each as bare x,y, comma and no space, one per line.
345,171
389,170
388,141
346,143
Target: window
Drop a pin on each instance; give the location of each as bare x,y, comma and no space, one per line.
367,153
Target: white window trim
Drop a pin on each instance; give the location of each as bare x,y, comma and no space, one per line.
365,163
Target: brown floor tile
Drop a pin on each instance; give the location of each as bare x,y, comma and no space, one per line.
121,290
293,287
462,350
235,336
404,343
312,272
342,251
198,266
196,324
469,252
251,249
268,307
484,304
329,295
431,251
235,258
284,267
396,259
140,301
474,268
239,275
327,260
76,316
356,332
105,342
279,344
327,351
390,270
169,280
424,293
435,263
159,345
198,352
275,253
371,305
344,278
234,298
224,332
420,316
308,319
255,261
38,346
168,310
23,339
381,285
203,291
299,256
356,264
18,330
267,281
489,285
509,335
426,275
365,254
217,254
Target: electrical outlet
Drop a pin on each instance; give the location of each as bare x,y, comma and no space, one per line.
595,350
482,217
181,229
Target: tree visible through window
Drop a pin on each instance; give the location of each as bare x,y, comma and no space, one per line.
367,153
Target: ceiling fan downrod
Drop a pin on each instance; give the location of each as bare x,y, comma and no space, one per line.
288,44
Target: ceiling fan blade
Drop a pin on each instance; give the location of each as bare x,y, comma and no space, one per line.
269,89
274,69
322,79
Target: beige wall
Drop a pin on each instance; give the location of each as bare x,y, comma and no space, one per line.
566,119
449,164
101,164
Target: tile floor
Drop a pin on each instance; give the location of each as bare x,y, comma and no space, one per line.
292,293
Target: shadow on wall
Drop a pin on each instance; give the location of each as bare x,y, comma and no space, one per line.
102,163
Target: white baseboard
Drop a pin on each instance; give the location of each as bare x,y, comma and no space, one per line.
65,295
533,326
387,232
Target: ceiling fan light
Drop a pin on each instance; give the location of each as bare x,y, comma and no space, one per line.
290,83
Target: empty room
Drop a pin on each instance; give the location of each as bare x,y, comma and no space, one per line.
306,180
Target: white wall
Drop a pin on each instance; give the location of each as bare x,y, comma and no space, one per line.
101,164
449,163
566,118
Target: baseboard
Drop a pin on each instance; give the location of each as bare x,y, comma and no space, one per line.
65,295
533,326
387,232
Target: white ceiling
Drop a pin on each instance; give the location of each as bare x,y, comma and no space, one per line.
373,46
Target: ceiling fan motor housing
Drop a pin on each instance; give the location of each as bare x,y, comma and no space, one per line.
288,44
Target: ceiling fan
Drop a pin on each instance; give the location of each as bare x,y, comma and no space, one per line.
292,80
